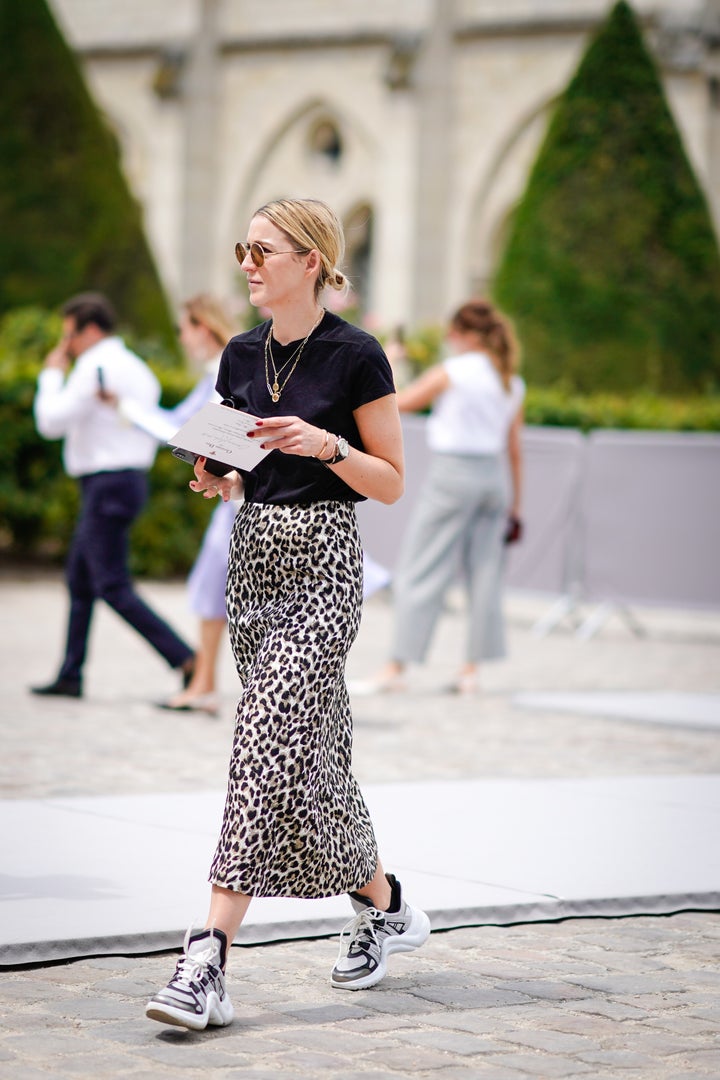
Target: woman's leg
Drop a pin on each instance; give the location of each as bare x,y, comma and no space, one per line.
484,556
206,598
203,679
378,890
430,556
227,911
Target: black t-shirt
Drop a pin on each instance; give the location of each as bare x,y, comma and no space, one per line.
340,369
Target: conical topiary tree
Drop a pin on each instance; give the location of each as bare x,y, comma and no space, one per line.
67,220
611,269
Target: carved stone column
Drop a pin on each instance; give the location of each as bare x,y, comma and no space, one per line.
433,79
201,154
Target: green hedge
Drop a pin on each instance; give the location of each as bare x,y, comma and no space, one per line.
68,220
612,271
648,412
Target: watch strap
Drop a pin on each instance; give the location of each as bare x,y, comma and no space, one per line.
342,449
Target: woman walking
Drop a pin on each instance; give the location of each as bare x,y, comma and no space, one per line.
205,328
295,823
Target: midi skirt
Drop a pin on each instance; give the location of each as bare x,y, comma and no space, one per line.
295,822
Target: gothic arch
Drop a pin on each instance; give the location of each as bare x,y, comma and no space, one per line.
333,176
497,195
132,149
358,224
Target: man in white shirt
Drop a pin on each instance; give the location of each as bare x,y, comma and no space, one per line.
110,461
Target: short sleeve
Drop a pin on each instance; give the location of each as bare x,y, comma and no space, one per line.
373,378
222,385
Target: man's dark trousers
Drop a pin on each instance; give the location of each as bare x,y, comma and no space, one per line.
97,569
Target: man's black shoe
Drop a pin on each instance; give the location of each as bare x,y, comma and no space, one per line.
60,688
187,671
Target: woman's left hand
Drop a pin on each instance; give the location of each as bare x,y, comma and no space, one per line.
291,435
227,487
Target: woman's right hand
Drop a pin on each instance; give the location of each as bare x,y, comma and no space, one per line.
227,487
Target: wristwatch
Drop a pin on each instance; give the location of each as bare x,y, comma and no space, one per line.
342,449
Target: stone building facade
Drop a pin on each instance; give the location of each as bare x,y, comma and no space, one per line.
417,120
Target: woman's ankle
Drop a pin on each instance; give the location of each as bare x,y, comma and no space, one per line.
393,669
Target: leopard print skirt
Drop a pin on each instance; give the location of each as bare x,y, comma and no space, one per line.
295,823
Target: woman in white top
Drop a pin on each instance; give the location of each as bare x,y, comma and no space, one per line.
469,505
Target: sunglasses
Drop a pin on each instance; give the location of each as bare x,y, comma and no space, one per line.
193,322
259,254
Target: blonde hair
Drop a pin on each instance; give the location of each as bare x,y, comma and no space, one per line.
495,333
310,224
208,311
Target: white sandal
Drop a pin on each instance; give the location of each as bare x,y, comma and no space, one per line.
466,685
388,684
206,703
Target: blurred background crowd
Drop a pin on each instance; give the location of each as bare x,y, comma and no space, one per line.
561,158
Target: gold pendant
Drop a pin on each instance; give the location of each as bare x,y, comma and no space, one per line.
276,388
275,396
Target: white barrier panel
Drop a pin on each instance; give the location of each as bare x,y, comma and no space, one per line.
547,559
382,527
651,518
617,516
553,468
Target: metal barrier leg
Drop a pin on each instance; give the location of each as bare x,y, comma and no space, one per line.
565,606
597,619
631,619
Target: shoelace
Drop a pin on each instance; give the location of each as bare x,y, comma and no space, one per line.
364,924
194,967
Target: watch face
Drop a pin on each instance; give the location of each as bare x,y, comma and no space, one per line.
342,447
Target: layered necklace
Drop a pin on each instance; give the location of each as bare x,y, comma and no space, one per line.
276,388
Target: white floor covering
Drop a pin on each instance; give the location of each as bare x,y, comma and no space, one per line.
686,710
127,874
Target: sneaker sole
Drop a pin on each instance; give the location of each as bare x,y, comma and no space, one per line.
217,1014
412,939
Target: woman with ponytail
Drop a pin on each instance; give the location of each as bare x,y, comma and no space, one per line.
469,505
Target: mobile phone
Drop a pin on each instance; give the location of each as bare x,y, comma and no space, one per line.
184,455
217,468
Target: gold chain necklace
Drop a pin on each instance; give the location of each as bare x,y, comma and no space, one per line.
275,390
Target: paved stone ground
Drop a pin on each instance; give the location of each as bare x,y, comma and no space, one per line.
603,998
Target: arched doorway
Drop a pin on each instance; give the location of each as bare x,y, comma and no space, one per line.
358,226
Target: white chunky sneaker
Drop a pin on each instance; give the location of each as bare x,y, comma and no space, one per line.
196,995
369,938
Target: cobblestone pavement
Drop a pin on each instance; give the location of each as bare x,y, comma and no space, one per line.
611,998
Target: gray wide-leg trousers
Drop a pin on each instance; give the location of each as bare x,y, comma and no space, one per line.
457,528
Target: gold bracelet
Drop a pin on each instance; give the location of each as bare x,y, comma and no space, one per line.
322,448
